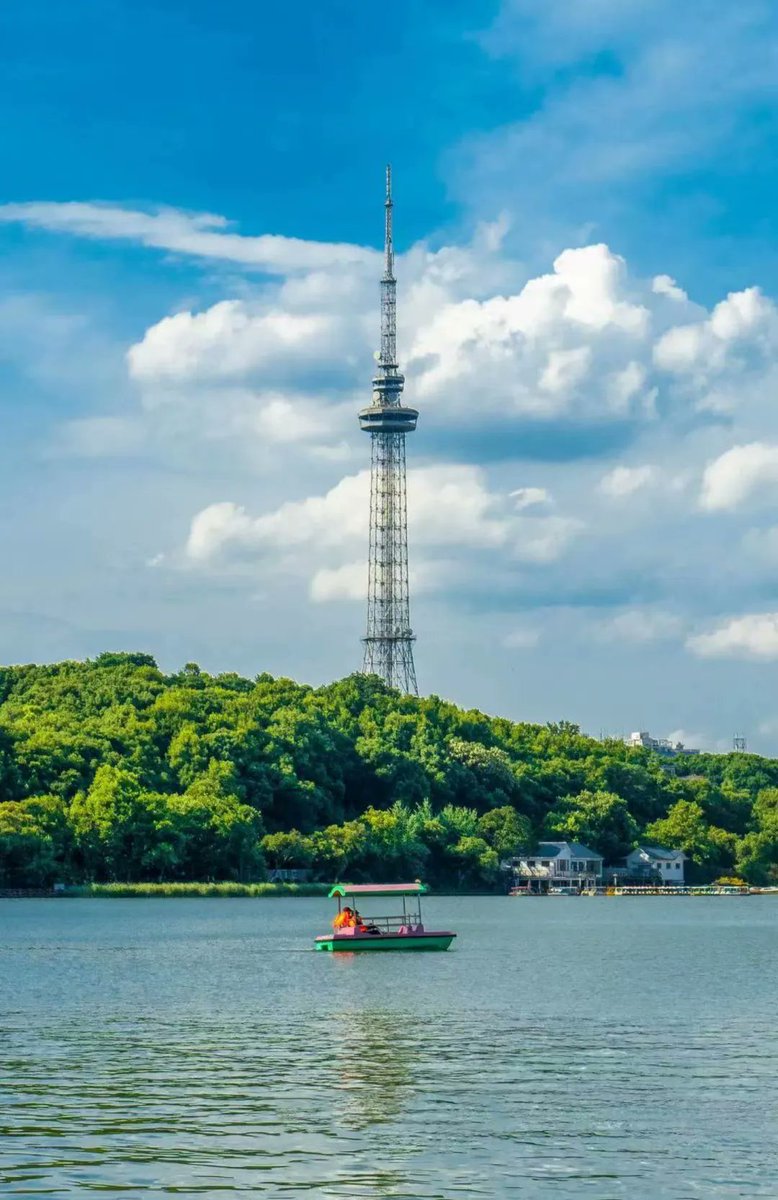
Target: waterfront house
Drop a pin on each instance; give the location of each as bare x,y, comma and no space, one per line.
557,865
652,861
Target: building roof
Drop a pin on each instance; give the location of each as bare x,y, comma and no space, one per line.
574,849
658,852
378,889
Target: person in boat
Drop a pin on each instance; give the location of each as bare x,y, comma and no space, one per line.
349,918
361,927
345,919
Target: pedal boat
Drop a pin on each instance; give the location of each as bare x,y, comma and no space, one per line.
403,931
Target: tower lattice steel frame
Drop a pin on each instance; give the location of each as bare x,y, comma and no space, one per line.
389,638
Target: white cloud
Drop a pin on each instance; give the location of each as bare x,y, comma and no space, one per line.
217,526
291,419
229,341
640,625
565,369
665,285
624,481
203,235
531,497
625,385
349,580
738,475
754,636
583,342
534,351
448,506
346,582
746,320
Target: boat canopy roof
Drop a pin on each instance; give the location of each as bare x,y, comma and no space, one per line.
378,889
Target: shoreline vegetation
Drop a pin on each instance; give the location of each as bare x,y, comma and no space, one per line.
114,774
265,891
226,889
223,889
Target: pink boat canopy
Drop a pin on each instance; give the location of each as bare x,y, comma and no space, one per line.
378,889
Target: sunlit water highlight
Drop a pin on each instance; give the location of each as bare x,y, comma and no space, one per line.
565,1047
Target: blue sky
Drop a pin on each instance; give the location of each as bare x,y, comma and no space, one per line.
587,278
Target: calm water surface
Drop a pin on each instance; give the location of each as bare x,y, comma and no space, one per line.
565,1048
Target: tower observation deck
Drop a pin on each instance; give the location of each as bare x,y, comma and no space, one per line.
389,638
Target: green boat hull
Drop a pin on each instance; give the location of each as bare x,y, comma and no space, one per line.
353,945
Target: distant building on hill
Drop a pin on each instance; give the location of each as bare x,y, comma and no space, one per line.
645,741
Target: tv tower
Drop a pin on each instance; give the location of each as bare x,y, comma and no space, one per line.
389,638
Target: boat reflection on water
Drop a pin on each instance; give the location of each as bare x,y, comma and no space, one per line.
372,1053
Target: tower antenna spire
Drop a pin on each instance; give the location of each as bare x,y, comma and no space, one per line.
389,638
388,247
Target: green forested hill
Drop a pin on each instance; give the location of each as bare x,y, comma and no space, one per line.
111,770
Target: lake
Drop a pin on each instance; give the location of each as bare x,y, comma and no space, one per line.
563,1048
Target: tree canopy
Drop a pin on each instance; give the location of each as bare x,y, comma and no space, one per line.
112,770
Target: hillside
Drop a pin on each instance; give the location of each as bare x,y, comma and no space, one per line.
111,770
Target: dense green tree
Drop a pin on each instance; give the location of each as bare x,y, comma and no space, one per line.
29,853
477,862
292,849
685,828
598,819
506,831
757,855
338,847
219,836
122,832
115,770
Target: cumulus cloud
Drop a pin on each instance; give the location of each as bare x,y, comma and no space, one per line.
624,481
534,351
229,341
754,636
584,342
738,475
202,235
744,324
450,507
447,505
665,285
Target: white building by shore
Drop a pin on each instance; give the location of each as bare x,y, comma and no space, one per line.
557,865
656,860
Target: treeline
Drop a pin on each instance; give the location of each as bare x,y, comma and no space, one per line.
111,770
